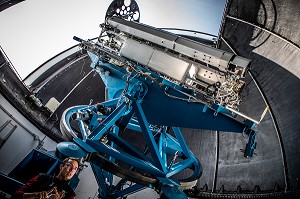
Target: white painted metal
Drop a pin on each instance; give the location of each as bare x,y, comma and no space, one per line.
21,142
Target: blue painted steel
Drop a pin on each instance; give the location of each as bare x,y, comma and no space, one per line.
82,130
143,101
70,149
98,172
114,86
174,112
122,156
110,103
159,168
134,127
162,146
180,166
115,132
126,146
173,145
148,137
169,111
84,145
181,141
168,181
108,122
94,121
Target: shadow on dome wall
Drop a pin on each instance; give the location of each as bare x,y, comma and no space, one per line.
277,159
277,162
274,171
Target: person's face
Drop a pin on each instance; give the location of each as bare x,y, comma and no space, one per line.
68,169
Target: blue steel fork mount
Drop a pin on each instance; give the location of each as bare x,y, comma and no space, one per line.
157,82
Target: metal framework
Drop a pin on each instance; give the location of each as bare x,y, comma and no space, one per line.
157,83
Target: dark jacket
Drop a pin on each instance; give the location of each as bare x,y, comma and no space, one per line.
44,182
